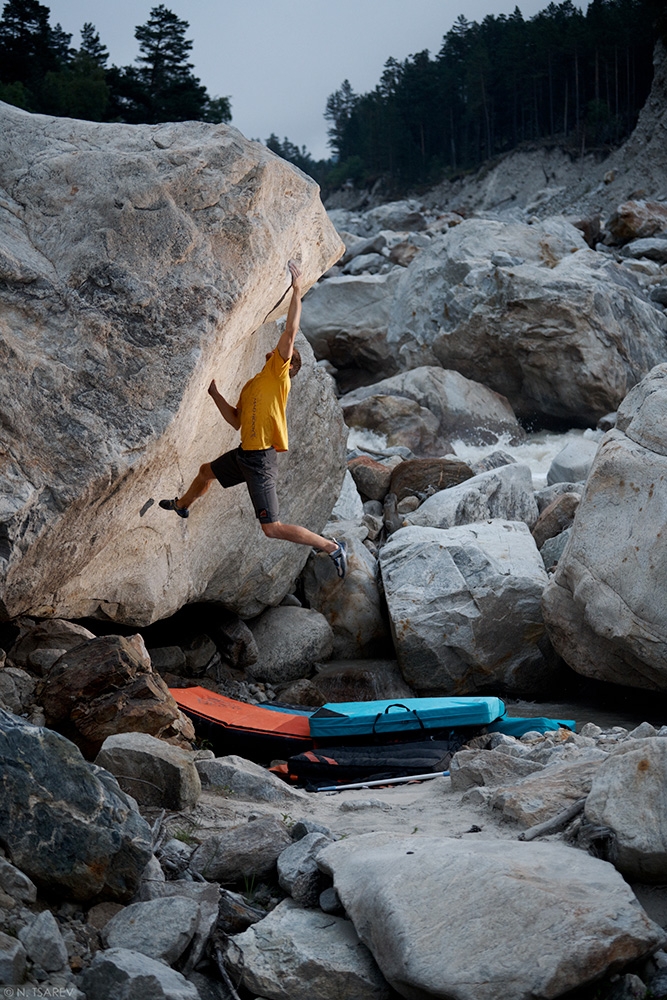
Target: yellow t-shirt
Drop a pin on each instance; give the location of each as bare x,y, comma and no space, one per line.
261,407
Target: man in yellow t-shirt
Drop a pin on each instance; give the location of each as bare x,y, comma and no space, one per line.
260,416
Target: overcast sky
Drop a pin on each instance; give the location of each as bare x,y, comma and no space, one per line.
278,60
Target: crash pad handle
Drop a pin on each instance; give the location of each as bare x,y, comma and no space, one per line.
397,705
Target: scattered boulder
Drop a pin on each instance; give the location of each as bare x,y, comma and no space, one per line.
13,960
400,892
244,851
636,220
473,768
495,460
424,475
14,883
403,422
650,249
106,686
298,873
553,549
17,689
555,518
604,606
161,928
628,797
162,270
348,506
345,319
371,477
354,611
243,779
151,771
572,464
464,409
563,333
121,973
505,493
481,626
67,824
52,634
297,954
289,640
43,942
540,797
547,495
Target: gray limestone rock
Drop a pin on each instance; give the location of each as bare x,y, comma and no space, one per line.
152,771
401,892
161,928
464,606
456,308
289,641
68,825
298,873
237,778
472,768
542,796
137,263
15,884
127,975
628,796
604,607
553,549
505,493
296,954
44,942
12,960
244,851
573,463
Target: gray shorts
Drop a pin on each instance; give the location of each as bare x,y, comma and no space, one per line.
259,471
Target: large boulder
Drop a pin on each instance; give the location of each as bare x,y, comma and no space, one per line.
123,973
464,409
628,797
136,263
354,611
346,321
506,493
106,686
487,919
531,312
297,954
604,608
290,640
464,607
242,852
151,771
66,823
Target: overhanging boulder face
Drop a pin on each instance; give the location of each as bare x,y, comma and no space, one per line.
136,264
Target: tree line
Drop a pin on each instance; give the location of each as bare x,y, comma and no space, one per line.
564,77
41,72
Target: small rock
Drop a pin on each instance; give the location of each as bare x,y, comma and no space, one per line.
243,779
298,873
43,942
330,902
126,974
15,883
152,771
161,928
245,851
12,960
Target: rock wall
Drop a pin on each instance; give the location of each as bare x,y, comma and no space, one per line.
136,263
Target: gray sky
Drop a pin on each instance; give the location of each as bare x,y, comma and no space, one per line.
279,60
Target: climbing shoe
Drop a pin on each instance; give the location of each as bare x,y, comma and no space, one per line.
181,511
339,558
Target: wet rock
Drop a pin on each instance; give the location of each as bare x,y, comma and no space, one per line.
245,851
572,464
162,928
493,461
505,493
463,409
482,625
68,825
152,771
106,686
296,954
401,891
121,973
289,642
401,421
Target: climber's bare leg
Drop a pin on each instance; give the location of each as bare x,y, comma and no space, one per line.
198,487
295,533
